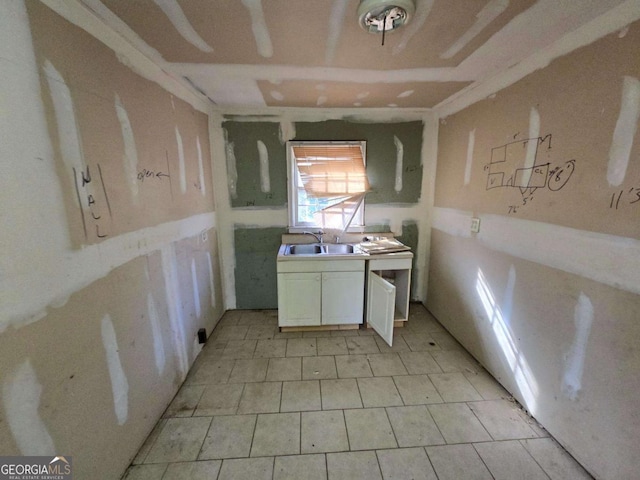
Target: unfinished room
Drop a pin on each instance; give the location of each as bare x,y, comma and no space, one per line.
320,239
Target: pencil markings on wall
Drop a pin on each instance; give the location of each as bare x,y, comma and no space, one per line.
575,357
399,163
259,27
21,393
130,155
470,145
119,383
263,156
176,16
181,165
625,130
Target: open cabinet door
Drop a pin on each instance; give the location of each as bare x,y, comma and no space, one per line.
380,306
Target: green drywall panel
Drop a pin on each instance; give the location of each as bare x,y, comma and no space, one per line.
256,274
381,154
410,238
245,136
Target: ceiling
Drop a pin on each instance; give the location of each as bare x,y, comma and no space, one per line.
313,53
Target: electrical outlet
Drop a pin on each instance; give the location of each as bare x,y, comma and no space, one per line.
475,225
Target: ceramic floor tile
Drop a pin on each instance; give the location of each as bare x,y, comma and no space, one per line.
228,437
232,332
287,335
249,370
352,366
318,368
185,402
270,348
323,432
301,347
204,470
367,332
379,392
260,398
414,426
139,472
501,419
386,364
555,460
149,442
180,440
345,333
353,466
458,462
457,423
417,390
307,467
300,396
259,317
486,386
419,363
282,369
276,434
454,387
332,346
398,345
421,342
211,372
369,429
446,341
261,332
219,400
456,361
247,469
231,317
361,345
342,393
317,334
509,460
405,463
239,349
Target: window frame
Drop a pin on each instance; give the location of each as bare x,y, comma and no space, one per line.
358,222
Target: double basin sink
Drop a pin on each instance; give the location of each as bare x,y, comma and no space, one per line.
320,249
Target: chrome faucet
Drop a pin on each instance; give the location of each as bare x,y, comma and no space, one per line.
318,235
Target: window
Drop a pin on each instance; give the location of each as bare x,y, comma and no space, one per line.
327,184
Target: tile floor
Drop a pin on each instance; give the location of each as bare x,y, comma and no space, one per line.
260,404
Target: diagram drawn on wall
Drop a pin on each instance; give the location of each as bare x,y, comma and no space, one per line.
517,165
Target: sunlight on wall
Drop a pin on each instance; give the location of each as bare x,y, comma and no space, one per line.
525,379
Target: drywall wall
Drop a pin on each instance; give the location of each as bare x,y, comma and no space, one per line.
547,294
110,260
253,156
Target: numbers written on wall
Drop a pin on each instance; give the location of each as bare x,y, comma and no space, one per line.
623,198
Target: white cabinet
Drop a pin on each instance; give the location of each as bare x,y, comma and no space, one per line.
388,291
320,292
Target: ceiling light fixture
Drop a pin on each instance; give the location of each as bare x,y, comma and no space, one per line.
381,16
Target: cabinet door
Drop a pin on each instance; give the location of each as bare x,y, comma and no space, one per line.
299,299
381,300
342,297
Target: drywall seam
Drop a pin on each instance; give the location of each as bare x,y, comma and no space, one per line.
232,172
119,383
624,133
259,27
212,290
178,19
158,344
488,14
263,156
130,155
611,21
357,115
181,166
21,393
399,160
27,301
608,259
287,131
532,145
93,17
470,146
322,99
336,21
423,9
575,357
196,288
203,185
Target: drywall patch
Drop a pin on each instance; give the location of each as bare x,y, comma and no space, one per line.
405,94
399,168
336,21
276,95
176,16
21,393
263,157
119,383
470,146
287,131
259,27
624,133
575,357
158,345
130,156
195,288
532,145
322,99
232,172
423,9
211,284
488,14
203,185
181,165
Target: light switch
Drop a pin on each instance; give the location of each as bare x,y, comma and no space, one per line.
475,225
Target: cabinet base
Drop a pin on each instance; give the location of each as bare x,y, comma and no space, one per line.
319,328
